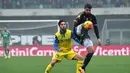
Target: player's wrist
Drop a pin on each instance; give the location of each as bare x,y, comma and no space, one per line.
75,22
59,50
98,39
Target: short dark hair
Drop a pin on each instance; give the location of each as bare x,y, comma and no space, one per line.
5,25
88,6
60,21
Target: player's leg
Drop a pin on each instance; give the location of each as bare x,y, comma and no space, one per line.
56,58
5,45
80,32
74,56
89,45
5,50
50,66
78,29
79,59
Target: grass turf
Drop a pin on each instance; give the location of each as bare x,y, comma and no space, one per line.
98,64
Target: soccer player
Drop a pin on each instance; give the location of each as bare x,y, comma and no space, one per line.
82,33
63,45
5,35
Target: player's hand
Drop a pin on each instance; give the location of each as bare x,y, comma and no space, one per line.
60,50
99,42
75,22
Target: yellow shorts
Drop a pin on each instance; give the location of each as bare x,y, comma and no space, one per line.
68,55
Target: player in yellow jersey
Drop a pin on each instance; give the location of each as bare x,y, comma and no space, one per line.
63,45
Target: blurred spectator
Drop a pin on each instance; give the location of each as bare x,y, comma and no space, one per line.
88,2
127,3
59,3
36,42
11,4
17,3
7,4
119,3
99,3
68,3
45,4
0,4
77,3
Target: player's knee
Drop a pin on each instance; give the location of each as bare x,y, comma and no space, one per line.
53,62
80,57
78,32
90,49
89,55
80,61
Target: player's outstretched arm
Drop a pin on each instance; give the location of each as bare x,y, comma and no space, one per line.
75,38
9,36
56,44
97,35
78,19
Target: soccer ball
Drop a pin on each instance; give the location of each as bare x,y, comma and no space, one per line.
88,25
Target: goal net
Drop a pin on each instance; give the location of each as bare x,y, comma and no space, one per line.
20,28
30,26
116,32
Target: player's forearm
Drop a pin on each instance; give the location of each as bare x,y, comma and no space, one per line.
56,44
78,21
75,38
96,32
56,47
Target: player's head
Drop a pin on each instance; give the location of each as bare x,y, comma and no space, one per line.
5,28
62,25
87,8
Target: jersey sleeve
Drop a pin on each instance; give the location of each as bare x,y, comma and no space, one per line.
75,38
9,35
56,44
1,33
94,20
79,18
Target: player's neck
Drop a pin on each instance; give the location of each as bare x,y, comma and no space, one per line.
62,31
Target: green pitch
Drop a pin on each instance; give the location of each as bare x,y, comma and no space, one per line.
99,64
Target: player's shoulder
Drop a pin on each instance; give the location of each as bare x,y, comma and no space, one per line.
80,14
68,30
2,31
8,31
93,15
57,33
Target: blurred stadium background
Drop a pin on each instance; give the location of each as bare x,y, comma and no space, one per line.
36,20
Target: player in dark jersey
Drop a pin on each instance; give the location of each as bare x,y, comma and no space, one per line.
82,33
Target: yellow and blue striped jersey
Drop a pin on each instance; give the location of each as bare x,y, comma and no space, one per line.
64,41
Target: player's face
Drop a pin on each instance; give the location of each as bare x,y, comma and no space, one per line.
87,10
5,28
63,26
